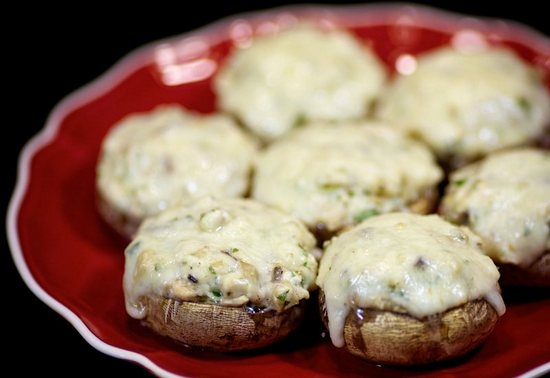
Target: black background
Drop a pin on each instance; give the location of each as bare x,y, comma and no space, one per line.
49,53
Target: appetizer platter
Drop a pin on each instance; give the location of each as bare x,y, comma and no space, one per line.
84,262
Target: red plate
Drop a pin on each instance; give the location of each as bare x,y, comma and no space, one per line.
74,264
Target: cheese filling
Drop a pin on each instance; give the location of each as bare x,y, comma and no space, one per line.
506,200
337,175
299,74
233,252
468,104
151,161
403,262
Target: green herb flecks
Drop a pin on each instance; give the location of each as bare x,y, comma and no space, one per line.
282,298
335,186
229,251
524,104
216,295
460,181
364,214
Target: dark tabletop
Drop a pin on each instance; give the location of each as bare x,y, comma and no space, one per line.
43,65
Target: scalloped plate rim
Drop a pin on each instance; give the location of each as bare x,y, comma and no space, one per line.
141,56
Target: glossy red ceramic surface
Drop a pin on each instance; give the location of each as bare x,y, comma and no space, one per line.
74,263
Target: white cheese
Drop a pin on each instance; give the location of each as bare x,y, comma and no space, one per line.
468,104
231,252
299,74
404,262
505,199
338,174
153,160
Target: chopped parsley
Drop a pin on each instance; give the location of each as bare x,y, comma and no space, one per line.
524,104
364,214
460,181
282,297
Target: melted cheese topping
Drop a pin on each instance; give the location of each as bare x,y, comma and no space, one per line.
340,174
151,161
467,104
299,74
403,262
506,200
231,252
